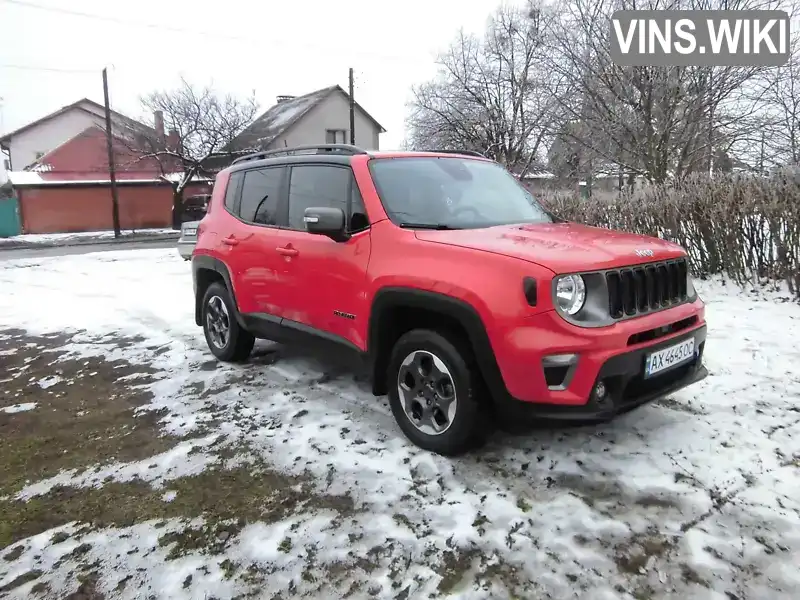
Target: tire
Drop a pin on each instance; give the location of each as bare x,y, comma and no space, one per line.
238,343
461,429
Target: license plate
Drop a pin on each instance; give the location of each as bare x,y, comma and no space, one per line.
190,231
669,357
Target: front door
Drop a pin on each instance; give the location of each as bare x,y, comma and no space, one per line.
329,277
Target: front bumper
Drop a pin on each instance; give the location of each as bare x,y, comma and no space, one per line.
627,388
522,348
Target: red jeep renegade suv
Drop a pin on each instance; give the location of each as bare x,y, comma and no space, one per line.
449,280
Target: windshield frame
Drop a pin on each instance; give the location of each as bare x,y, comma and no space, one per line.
408,223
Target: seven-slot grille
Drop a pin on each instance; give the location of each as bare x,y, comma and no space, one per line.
646,288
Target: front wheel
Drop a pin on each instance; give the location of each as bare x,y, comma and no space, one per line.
226,339
433,392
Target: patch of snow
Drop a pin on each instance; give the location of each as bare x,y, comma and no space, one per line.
285,112
184,460
60,238
18,408
169,496
47,382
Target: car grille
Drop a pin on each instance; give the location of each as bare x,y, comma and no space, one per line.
646,288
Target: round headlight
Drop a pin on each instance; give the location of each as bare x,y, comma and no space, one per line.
570,293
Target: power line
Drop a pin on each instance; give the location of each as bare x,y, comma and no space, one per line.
78,13
52,69
326,49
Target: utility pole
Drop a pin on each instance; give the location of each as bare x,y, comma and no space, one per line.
352,111
111,172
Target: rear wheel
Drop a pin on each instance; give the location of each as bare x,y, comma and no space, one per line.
433,392
226,339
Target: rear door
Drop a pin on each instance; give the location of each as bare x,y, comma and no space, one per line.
329,277
260,267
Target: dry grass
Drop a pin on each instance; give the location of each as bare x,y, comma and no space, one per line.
91,422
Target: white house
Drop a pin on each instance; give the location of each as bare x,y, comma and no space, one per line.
321,117
27,144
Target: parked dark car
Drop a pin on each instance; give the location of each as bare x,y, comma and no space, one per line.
194,207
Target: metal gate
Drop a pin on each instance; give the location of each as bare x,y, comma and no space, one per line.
9,217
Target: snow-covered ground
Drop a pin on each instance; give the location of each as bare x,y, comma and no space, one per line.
47,239
697,496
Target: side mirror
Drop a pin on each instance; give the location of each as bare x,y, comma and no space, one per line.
326,221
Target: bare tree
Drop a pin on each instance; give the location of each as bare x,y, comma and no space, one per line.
491,94
201,126
655,121
778,91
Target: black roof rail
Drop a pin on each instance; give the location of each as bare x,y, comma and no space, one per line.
345,149
464,152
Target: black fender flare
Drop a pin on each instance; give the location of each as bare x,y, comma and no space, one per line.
465,314
209,263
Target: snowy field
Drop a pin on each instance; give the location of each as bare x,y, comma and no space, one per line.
287,478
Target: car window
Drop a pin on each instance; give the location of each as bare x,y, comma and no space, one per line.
323,186
453,192
260,194
230,191
358,213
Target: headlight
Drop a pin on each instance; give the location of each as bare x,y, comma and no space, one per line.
570,293
690,291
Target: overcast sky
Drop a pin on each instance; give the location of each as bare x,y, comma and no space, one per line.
240,46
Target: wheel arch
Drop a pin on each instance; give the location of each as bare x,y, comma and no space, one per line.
389,319
205,271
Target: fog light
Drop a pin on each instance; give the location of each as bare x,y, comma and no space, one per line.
600,390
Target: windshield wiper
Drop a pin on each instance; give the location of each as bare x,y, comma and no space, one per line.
436,226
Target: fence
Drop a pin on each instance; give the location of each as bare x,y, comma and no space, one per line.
9,217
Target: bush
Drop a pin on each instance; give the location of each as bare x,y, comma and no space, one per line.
743,226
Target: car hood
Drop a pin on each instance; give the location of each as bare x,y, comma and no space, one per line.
561,247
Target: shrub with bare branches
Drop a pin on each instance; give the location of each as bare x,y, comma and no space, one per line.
746,227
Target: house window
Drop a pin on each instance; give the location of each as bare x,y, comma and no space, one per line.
336,136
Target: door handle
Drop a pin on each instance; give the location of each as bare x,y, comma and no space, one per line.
287,251
230,240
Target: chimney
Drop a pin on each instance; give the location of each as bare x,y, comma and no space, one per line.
158,121
285,98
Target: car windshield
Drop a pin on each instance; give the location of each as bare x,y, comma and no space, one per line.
452,192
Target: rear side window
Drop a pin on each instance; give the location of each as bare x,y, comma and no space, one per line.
230,191
325,186
260,193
